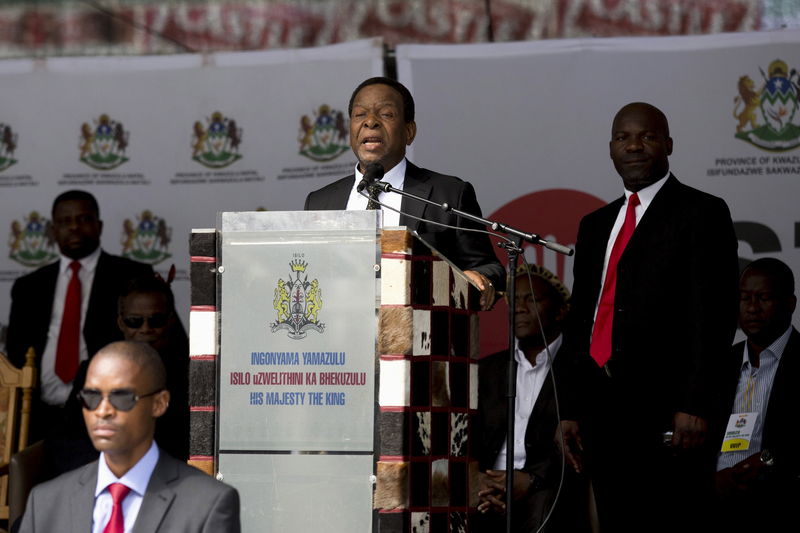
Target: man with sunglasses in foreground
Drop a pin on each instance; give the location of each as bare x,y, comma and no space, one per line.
133,486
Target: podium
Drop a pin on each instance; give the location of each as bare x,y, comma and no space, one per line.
333,375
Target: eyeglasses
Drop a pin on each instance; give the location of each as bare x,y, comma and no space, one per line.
122,400
158,320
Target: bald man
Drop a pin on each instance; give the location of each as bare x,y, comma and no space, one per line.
652,320
133,486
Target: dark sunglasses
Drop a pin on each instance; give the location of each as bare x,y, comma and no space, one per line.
159,320
122,400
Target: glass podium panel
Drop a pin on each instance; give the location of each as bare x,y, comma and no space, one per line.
297,300
302,493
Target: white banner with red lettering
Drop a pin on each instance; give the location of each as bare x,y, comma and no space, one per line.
165,142
529,123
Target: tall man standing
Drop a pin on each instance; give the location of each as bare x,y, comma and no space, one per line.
653,317
381,126
67,310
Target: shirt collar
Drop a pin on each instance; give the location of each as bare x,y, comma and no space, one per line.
136,478
541,357
395,176
88,263
775,349
647,194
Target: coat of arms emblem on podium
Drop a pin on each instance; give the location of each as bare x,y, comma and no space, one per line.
297,302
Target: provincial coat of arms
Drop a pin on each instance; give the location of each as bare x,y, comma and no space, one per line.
297,302
31,242
8,145
147,240
217,144
103,146
325,137
767,115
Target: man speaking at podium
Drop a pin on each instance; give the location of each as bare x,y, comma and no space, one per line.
381,126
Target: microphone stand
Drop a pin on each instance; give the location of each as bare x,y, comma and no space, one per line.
533,238
513,250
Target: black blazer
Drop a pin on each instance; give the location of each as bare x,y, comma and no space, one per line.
493,410
781,432
541,456
467,249
179,498
32,306
675,307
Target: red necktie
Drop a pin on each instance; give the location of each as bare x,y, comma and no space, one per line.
68,351
601,334
116,524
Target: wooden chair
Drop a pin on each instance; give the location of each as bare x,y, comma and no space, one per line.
16,389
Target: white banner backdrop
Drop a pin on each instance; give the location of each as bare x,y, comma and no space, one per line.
166,142
529,123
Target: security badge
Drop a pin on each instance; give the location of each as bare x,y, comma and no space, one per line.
739,431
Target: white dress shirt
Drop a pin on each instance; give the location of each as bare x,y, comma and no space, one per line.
54,391
752,395
530,380
396,178
136,479
646,196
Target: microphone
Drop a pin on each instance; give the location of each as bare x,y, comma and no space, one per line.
372,173
533,238
380,186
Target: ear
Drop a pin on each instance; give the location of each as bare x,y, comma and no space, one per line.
120,323
160,403
563,311
669,145
411,132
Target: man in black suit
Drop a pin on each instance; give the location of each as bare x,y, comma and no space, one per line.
537,473
133,482
759,486
381,126
648,338
38,303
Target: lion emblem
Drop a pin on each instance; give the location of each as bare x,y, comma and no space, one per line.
748,101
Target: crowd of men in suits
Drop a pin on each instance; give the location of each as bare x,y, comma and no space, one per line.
103,402
629,379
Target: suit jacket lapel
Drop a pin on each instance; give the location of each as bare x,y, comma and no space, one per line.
99,285
340,193
658,210
158,497
82,500
418,183
49,289
600,232
44,311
